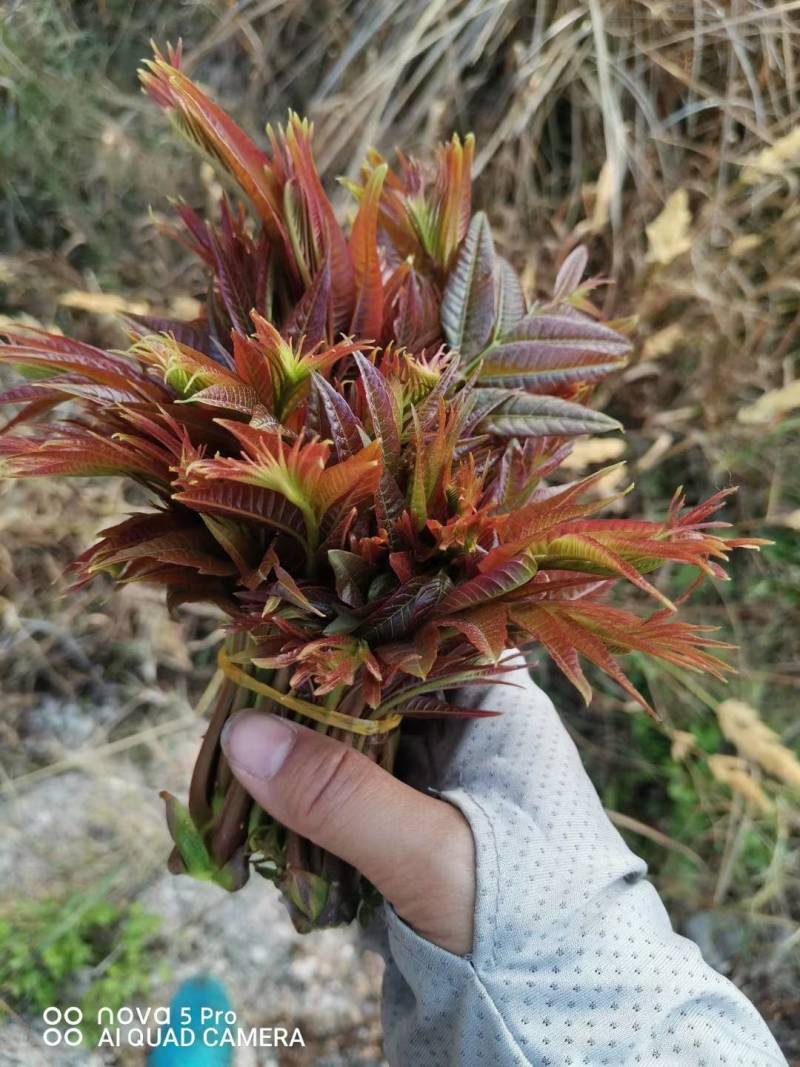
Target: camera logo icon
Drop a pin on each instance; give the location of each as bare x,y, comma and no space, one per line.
62,1026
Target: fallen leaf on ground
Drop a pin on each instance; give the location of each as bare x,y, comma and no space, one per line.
733,772
13,322
742,725
656,452
593,450
603,194
682,744
740,246
185,307
669,235
662,342
773,160
102,303
771,405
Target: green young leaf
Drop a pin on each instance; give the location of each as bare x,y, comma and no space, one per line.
188,839
309,894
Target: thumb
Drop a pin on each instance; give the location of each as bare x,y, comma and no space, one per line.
416,850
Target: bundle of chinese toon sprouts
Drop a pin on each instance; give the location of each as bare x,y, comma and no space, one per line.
349,454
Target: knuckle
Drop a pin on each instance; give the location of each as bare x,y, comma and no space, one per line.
328,789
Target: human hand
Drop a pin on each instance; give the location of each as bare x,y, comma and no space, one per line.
416,850
571,953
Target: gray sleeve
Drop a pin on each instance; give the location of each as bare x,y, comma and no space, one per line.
574,960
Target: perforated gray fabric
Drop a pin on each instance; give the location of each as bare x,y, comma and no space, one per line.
574,961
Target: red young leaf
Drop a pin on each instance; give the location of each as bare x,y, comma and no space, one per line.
373,513
495,583
544,352
570,273
515,413
381,409
431,707
368,313
469,300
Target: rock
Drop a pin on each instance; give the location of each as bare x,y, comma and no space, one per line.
69,831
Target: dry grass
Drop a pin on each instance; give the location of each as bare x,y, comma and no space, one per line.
662,134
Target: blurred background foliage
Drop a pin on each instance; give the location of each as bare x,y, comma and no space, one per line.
664,135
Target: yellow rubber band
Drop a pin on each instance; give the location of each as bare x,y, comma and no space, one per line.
365,727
